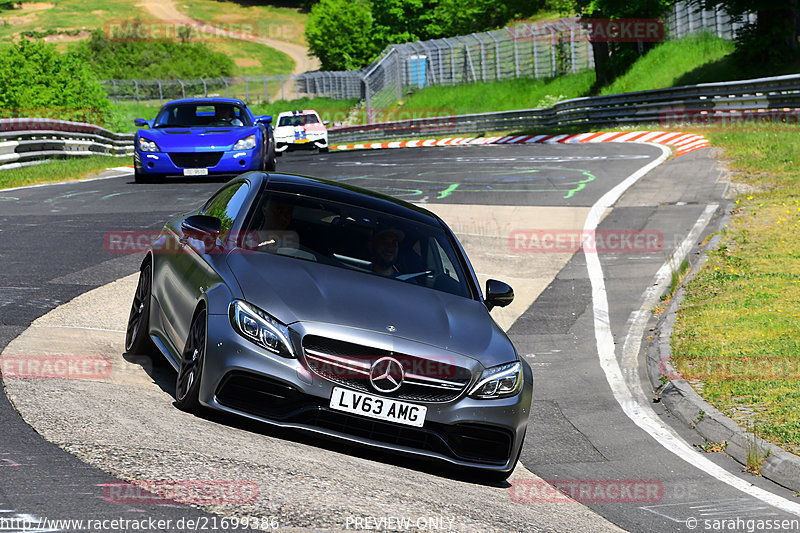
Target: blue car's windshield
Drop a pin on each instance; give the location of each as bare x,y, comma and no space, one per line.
358,238
202,115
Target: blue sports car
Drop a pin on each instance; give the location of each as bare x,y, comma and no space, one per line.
203,136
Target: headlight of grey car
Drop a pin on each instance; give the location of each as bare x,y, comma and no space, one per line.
498,382
260,328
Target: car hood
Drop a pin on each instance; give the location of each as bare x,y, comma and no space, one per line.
294,290
197,139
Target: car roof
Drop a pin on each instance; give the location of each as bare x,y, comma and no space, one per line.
301,112
207,100
349,194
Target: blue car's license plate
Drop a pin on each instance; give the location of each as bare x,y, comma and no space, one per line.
195,172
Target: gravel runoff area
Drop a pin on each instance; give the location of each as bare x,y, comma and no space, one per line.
125,424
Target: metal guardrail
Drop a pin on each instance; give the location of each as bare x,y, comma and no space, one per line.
30,141
756,99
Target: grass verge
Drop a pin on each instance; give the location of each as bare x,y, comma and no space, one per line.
58,170
737,337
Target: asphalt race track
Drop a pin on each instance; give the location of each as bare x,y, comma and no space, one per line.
509,205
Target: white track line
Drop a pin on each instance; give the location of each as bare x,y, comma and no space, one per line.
642,415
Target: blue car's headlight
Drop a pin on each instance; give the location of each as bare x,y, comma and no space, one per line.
146,145
498,382
260,328
248,143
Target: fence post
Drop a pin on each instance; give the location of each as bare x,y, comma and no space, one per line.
266,96
535,59
483,57
136,85
226,86
496,55
399,71
114,84
553,51
280,78
516,55
183,89
205,87
160,93
367,100
572,48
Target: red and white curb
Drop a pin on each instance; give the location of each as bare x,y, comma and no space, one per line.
682,143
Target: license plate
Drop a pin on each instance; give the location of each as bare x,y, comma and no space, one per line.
195,172
301,141
377,407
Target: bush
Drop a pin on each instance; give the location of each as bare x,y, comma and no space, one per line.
148,58
37,81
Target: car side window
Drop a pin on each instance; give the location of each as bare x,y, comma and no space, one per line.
226,204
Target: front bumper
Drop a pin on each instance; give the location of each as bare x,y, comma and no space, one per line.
241,378
283,145
175,163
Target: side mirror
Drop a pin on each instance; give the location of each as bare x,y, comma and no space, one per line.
266,119
198,226
140,122
498,294
326,122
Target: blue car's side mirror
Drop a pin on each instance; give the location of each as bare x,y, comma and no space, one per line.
266,119
140,122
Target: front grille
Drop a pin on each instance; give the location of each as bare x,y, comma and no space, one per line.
274,400
425,380
195,159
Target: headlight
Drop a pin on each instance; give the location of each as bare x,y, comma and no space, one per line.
258,327
146,145
248,143
498,382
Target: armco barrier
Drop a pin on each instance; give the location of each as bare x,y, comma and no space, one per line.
694,104
28,141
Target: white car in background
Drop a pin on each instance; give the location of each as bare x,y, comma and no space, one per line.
300,130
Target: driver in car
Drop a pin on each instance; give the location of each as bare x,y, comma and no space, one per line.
384,248
226,113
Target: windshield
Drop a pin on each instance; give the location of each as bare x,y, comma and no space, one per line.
357,238
202,115
298,120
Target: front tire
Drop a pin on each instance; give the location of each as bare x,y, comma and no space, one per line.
187,386
137,334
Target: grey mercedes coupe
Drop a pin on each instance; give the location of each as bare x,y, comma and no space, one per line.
310,304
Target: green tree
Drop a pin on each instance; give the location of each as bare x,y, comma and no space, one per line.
35,80
613,58
771,42
339,33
